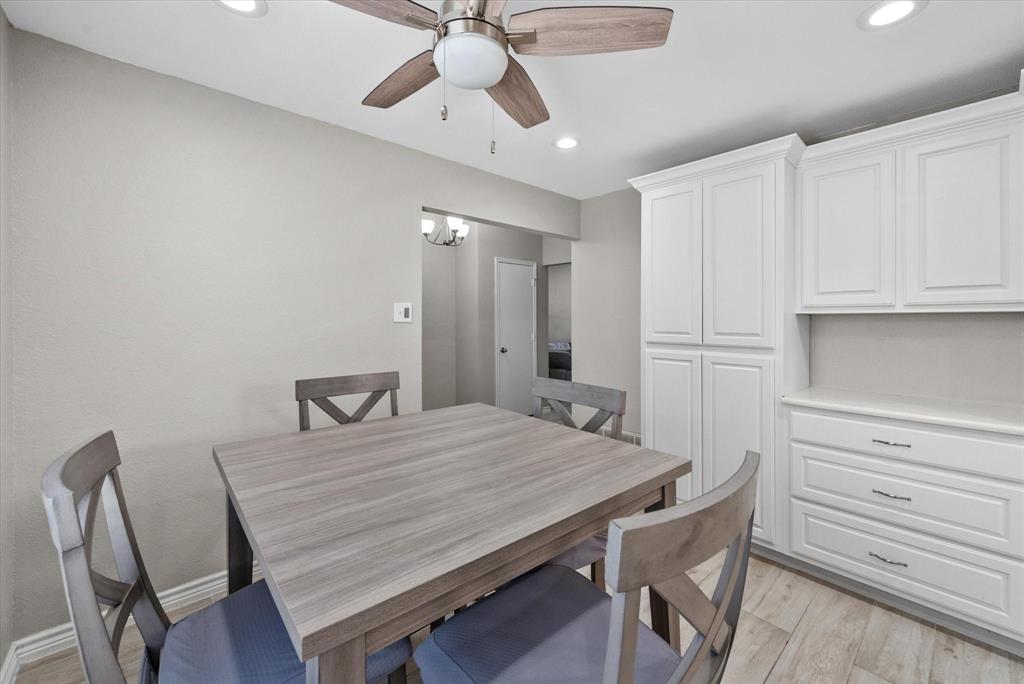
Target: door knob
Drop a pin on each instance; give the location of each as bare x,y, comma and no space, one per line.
504,350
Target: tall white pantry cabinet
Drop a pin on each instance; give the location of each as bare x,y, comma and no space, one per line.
721,340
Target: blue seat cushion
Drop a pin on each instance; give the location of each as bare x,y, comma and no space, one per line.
590,550
242,640
547,627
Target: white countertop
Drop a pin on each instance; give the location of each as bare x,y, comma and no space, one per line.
1005,418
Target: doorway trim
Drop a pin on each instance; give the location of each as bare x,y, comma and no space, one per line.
497,317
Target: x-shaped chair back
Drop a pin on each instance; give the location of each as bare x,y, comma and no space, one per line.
656,549
560,395
73,487
318,391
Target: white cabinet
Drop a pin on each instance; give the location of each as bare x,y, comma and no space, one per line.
739,258
963,221
847,232
737,417
931,513
720,336
922,215
712,408
671,410
671,264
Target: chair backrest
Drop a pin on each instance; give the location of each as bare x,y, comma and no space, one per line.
560,394
656,549
317,390
72,487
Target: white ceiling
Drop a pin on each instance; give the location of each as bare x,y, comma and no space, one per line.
731,74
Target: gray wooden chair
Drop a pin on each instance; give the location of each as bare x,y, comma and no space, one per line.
238,639
319,391
561,394
541,626
610,403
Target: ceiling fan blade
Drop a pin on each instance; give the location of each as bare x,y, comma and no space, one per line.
403,82
589,30
404,12
494,8
516,94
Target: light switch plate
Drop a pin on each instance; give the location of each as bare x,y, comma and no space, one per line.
403,312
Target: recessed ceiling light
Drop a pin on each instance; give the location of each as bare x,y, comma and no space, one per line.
245,8
566,143
889,12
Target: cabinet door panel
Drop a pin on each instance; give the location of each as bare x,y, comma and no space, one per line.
847,223
671,256
963,222
739,257
671,410
737,416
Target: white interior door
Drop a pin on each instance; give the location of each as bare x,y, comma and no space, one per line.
515,333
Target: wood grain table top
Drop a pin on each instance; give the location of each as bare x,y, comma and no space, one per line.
353,524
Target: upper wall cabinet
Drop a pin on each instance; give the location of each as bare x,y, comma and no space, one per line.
962,223
847,231
739,258
709,257
923,215
671,264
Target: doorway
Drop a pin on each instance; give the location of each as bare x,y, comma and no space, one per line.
515,333
458,312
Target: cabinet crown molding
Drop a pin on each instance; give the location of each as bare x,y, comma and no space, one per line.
982,113
788,147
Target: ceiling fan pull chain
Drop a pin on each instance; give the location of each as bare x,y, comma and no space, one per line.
492,127
444,84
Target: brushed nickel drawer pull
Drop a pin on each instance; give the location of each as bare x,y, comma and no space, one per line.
896,444
890,496
886,560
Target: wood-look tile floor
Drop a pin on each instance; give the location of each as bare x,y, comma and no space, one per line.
792,629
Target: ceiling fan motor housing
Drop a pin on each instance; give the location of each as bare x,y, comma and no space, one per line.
470,50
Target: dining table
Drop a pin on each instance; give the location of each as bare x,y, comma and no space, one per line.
367,532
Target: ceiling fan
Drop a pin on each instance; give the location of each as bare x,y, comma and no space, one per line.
471,46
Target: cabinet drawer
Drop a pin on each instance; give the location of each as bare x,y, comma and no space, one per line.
975,454
979,511
978,586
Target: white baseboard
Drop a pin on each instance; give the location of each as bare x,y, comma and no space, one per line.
10,667
62,637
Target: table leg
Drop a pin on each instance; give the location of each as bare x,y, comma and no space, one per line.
345,664
239,553
665,618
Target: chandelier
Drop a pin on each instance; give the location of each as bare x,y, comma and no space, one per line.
450,233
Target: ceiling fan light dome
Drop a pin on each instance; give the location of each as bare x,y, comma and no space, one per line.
470,60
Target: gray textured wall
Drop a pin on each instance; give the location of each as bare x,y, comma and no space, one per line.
475,332
437,317
6,463
606,298
560,302
968,357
